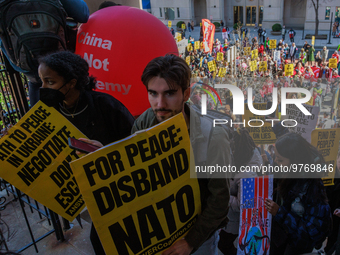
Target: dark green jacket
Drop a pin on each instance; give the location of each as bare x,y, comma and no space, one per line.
214,191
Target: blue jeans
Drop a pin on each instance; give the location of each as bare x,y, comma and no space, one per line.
209,247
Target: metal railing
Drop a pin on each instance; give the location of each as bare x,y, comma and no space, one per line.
14,104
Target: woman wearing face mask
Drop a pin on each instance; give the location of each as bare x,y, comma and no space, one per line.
67,86
301,214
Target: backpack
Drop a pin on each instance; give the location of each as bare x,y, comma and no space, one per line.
30,29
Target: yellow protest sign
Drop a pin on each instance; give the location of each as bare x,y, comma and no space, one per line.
169,23
187,59
263,66
332,63
200,24
189,47
179,37
327,143
254,54
260,130
222,72
253,65
197,45
272,44
183,26
138,191
289,69
313,40
211,66
219,56
34,158
310,102
247,51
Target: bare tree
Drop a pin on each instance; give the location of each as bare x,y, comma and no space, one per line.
316,4
316,8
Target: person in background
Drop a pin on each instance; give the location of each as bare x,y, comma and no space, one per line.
283,32
318,58
259,32
291,34
67,86
292,52
167,80
324,54
245,153
107,4
301,215
310,55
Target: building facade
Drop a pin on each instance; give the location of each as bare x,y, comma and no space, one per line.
292,13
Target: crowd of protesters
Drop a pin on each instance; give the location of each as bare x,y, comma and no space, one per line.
310,69
310,72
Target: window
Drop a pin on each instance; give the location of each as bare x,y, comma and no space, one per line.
178,13
160,12
328,12
169,13
337,12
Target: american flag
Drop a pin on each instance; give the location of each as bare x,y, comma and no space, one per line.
254,216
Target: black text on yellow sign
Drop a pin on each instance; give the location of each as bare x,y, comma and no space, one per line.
263,66
189,47
260,130
139,192
211,66
253,65
35,156
197,45
222,72
332,63
289,69
272,44
247,51
254,54
327,143
219,56
187,59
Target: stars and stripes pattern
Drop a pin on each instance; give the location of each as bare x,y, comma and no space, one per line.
254,191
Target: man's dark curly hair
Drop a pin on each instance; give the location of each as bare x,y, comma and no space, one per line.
173,69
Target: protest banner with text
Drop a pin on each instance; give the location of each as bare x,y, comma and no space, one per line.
327,143
259,129
35,159
138,191
305,124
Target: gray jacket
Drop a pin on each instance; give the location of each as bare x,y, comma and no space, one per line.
324,54
214,191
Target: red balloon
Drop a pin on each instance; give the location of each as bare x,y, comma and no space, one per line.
118,42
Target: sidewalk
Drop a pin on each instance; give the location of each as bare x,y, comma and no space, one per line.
299,41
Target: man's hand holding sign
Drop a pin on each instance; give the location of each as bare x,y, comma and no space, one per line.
139,192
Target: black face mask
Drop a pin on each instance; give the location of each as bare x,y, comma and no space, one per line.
51,97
